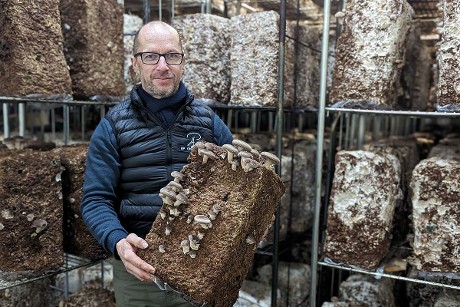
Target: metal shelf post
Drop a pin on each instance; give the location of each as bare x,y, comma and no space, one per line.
319,152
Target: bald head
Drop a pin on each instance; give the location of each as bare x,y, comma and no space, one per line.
153,29
161,79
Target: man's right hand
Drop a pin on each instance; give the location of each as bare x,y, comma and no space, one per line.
134,265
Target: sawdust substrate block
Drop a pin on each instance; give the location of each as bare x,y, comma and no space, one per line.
77,238
93,45
32,59
248,201
31,192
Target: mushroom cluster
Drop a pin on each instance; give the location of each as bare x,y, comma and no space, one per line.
205,150
175,201
204,222
174,197
40,226
240,153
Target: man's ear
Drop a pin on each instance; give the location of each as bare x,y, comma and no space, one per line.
134,64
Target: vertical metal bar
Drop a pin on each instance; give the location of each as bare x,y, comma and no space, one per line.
259,121
6,123
352,131
237,120
361,129
160,10
319,153
340,131
377,123
229,119
83,123
253,123
172,8
270,122
102,111
238,7
393,121
43,113
410,125
146,5
53,124
383,127
300,122
279,145
347,143
66,124
22,118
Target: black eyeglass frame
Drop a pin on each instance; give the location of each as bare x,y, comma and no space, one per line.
141,54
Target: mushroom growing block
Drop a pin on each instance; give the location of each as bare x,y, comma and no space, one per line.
95,57
448,58
207,40
228,214
435,196
370,54
32,60
31,211
77,238
365,192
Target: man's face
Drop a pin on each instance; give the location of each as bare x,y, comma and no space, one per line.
160,80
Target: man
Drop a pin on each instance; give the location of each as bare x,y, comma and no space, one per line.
131,155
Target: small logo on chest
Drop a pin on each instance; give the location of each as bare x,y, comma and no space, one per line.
193,138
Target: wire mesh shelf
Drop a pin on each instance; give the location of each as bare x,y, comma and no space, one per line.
71,262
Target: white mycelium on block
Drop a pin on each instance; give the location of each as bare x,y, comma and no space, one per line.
436,215
365,192
370,53
449,58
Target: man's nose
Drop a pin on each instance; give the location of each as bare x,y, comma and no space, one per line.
162,63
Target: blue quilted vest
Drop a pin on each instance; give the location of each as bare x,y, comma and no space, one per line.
149,152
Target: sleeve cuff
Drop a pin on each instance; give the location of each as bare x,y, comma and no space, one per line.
113,239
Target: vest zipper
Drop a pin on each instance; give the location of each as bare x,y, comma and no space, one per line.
169,152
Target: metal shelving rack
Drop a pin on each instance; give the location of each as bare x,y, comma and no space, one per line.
426,9
47,105
20,103
71,262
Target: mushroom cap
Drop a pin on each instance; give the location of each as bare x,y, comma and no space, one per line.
39,223
230,148
242,144
199,145
175,185
182,198
216,207
176,174
255,153
271,157
244,154
202,219
208,153
209,145
249,164
167,192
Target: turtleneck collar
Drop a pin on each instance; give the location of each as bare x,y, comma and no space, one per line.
172,102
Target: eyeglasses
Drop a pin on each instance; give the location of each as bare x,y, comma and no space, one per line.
152,58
